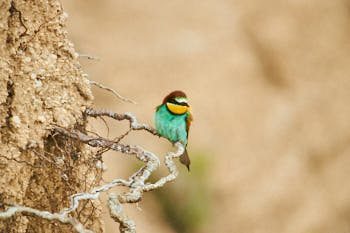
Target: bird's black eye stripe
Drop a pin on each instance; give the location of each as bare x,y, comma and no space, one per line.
173,101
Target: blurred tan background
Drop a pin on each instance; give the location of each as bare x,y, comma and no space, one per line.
269,85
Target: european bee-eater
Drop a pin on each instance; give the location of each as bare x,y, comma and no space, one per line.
173,119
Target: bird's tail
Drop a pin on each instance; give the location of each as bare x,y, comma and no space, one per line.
185,160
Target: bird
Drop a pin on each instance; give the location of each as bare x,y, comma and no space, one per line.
173,120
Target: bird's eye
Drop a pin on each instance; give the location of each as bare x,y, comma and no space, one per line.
180,101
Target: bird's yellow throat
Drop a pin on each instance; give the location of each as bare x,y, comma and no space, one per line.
176,109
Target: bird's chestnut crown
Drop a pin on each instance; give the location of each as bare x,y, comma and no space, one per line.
176,102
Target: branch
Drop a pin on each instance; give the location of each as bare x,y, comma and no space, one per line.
116,201
46,215
136,182
113,91
89,57
134,125
116,213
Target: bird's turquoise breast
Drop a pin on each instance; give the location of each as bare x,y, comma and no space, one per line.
172,127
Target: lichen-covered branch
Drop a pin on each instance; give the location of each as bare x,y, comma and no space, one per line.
134,125
46,215
136,183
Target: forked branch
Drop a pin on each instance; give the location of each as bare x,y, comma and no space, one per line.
136,182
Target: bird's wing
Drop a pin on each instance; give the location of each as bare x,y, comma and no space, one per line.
158,107
189,119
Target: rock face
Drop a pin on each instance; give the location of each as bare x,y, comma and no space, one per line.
41,84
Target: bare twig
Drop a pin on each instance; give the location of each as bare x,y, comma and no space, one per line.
89,57
107,127
113,91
